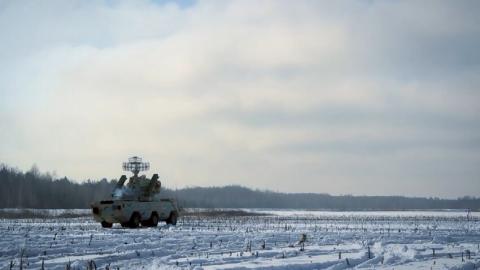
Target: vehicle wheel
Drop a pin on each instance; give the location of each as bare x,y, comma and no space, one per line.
172,219
106,224
135,220
153,220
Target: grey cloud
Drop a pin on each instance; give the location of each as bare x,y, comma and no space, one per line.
350,116
331,94
386,146
413,40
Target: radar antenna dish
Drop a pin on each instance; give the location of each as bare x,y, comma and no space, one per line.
135,165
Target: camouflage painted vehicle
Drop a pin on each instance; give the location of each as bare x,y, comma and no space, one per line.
137,203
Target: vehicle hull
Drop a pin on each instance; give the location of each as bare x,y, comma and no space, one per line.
122,211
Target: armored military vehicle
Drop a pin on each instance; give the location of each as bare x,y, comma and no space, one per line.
136,203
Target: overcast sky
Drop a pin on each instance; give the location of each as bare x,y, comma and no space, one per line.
340,97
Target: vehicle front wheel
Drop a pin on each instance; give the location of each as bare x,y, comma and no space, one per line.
154,220
135,220
172,219
106,224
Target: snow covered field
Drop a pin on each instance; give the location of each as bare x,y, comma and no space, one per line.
333,240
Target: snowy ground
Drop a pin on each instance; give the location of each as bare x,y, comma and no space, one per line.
334,240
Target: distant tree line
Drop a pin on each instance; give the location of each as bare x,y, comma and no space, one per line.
33,189
241,197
